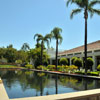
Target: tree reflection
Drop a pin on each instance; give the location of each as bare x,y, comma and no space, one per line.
56,83
26,79
37,81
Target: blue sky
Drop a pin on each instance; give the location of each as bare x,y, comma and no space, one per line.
21,19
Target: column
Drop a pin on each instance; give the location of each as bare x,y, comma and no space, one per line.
70,61
95,62
50,61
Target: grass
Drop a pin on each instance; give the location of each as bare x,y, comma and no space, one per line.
9,66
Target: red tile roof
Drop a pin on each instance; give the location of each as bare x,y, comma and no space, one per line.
90,46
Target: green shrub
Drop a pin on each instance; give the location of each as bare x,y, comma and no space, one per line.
88,73
73,67
98,67
51,67
63,61
80,72
93,73
90,63
18,61
29,66
72,60
78,63
65,68
41,67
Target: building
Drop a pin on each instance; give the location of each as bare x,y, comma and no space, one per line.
93,51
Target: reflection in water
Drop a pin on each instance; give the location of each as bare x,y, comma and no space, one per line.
56,84
28,83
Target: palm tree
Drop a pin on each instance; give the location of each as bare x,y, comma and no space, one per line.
43,39
57,36
37,40
25,47
87,7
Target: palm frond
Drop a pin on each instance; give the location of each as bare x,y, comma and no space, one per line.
48,36
97,11
60,39
37,35
74,12
94,2
68,1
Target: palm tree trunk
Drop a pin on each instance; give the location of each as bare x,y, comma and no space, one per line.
56,53
85,42
41,52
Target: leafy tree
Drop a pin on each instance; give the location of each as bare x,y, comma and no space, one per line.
21,55
10,55
90,63
25,47
43,39
63,61
2,52
72,60
57,36
87,6
10,46
35,54
78,63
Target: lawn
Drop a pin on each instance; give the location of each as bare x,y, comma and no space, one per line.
9,66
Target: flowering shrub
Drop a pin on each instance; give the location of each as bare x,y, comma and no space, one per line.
29,66
40,67
51,67
72,68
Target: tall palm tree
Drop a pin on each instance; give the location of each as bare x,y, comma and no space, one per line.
25,47
42,39
57,36
87,6
37,40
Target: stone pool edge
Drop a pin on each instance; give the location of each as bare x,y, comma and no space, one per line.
82,95
67,74
3,93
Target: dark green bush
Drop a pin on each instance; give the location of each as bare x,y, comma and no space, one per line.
90,63
98,67
63,61
78,63
72,60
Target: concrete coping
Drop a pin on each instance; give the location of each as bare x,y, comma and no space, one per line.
3,94
66,96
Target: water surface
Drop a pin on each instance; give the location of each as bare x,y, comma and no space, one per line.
19,84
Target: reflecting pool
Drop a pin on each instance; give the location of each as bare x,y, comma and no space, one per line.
19,84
